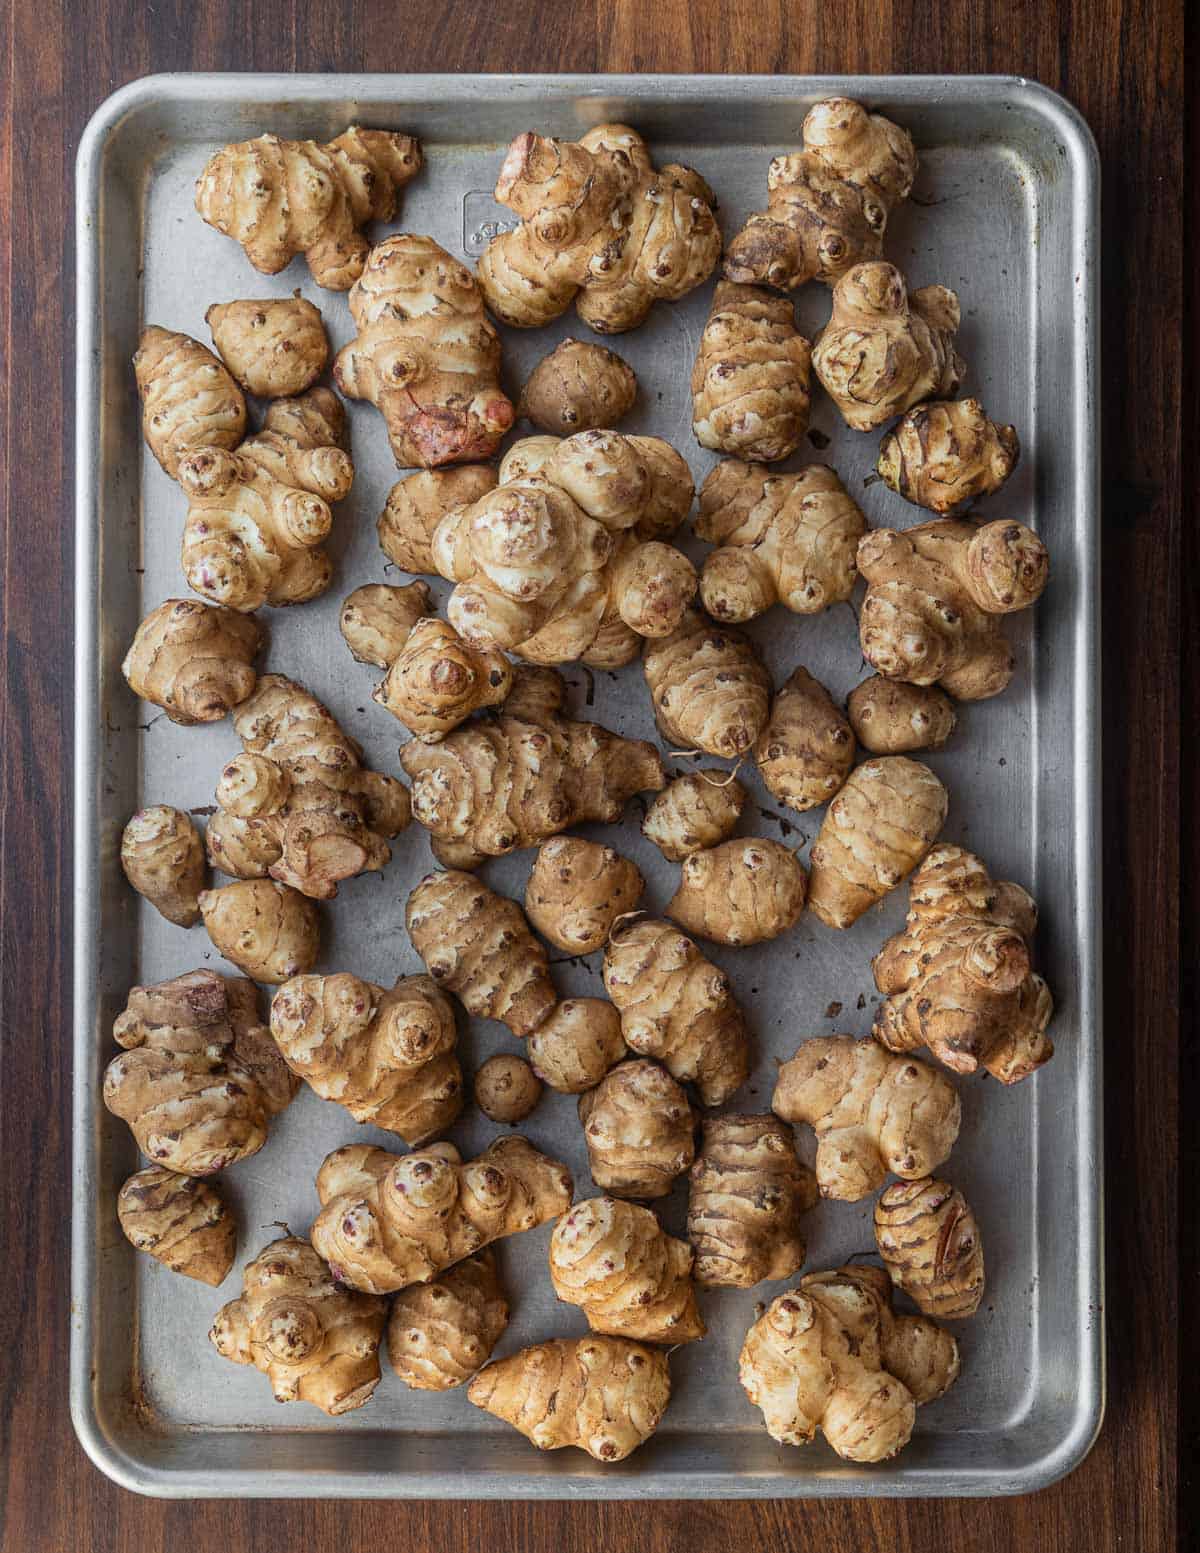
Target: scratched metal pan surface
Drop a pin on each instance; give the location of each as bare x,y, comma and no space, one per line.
1004,210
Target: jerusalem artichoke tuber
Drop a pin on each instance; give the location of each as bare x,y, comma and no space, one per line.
266,929
930,1245
943,455
418,503
439,1334
638,1126
694,812
892,718
275,347
507,1089
577,890
750,381
805,752
194,660
578,387
576,1044
742,892
709,687
180,1221
163,858
189,400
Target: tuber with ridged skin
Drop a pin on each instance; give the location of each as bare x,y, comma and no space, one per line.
439,1334
638,1127
579,386
418,503
892,718
189,399
694,812
180,1221
576,1044
805,752
741,892
194,660
709,687
577,889
751,378
162,856
265,928
946,453
275,347
930,1245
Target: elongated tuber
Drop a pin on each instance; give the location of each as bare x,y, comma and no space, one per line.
577,890
892,718
788,539
578,387
507,1089
387,1222
163,858
930,1245
439,1334
275,347
742,892
935,595
179,1221
694,812
603,1394
872,1112
500,784
710,689
418,503
746,1193
576,1044
831,1355
478,945
425,355
194,660
805,752
387,1056
189,400
828,204
266,929
628,1276
316,1341
278,198
750,381
875,832
943,455
884,350
677,1006
186,1081
598,225
958,978
638,1126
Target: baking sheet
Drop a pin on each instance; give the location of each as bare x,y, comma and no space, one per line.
1004,212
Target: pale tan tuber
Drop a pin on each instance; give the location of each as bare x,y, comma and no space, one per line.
676,1005
439,1334
709,687
892,718
805,752
750,381
387,1056
828,204
598,226
194,660
638,1126
943,455
576,1044
694,812
316,1341
930,1245
275,347
179,1221
507,1089
189,400
418,503
628,1276
265,928
578,387
832,1355
387,1221
278,198
741,892
871,1111
577,890
605,1395
788,539
746,1193
163,858
875,832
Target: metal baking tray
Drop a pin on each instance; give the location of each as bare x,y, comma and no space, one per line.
1005,211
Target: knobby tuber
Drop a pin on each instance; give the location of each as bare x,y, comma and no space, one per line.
694,812
805,752
418,503
709,687
930,1245
741,892
275,347
179,1221
638,1126
751,378
439,1334
163,858
943,455
189,400
193,660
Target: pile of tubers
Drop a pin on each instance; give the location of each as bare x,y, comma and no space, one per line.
558,554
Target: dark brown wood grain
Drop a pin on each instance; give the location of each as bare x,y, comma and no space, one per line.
1122,62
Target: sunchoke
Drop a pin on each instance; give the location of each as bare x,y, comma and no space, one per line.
386,1222
677,1006
884,350
387,1056
603,1394
163,858
275,347
180,1221
750,381
958,978
943,455
576,1044
694,812
577,890
786,539
599,225
827,205
930,1245
439,1334
194,660
832,1355
638,1126
425,355
892,718
628,1276
710,689
507,1089
746,1193
742,892
266,929
872,1112
935,595
278,198
578,387
875,832
805,752
316,1341
189,400
418,503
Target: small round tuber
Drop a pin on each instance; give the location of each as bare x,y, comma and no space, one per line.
275,348
638,1126
507,1089
944,454
694,812
193,659
440,1333
576,1044
807,749
265,928
742,892
577,890
181,1222
578,387
892,718
709,687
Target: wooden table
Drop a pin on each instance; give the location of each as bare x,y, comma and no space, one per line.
1123,65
